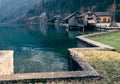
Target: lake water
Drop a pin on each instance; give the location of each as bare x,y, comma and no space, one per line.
38,48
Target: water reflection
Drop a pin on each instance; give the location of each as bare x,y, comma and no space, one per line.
37,48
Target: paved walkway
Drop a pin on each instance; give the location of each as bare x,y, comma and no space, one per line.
51,75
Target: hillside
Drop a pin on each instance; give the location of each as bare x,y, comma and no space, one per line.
10,9
53,7
19,9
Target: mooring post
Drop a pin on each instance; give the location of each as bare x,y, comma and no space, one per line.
83,29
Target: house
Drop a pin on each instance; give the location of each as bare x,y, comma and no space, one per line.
56,19
97,17
43,18
103,17
89,18
74,19
33,20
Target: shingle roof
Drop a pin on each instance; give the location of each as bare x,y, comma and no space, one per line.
83,14
99,13
103,13
69,16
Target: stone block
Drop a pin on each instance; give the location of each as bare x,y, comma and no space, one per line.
6,62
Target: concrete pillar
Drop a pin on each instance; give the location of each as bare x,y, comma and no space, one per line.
6,62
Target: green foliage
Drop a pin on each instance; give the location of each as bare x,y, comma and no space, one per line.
31,12
106,63
65,6
110,39
10,10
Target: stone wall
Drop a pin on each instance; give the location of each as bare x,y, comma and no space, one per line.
104,24
85,38
6,62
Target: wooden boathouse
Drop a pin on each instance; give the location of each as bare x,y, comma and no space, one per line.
87,20
74,21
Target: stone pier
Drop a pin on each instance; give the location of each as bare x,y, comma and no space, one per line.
6,62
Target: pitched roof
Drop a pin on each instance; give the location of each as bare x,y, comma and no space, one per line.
98,13
57,16
34,17
103,13
83,14
69,16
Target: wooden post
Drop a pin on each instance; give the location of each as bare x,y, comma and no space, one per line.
83,29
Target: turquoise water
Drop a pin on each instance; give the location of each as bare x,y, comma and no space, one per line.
38,48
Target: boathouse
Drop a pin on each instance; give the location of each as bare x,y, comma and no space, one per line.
56,19
74,19
89,17
103,17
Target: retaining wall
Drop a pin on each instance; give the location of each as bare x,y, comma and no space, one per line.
6,64
86,39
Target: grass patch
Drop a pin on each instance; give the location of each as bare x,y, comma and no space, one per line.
106,63
110,39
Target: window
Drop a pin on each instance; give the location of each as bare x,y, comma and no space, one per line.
89,18
108,20
89,14
104,19
98,20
